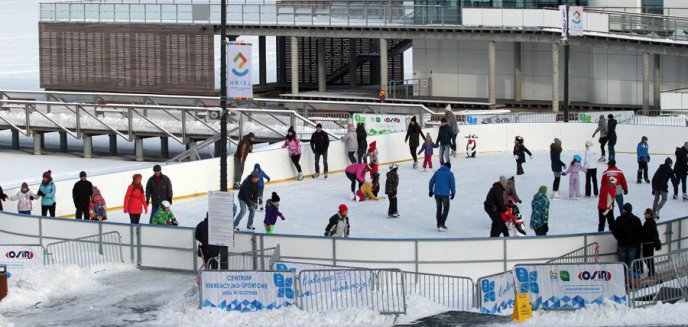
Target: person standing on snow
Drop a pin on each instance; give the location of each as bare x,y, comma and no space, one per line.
660,185
135,200
47,191
240,155
350,140
681,170
495,206
605,204
444,136
443,186
81,194
391,186
413,135
621,185
539,218
628,231
320,142
427,149
373,158
272,213
262,176
557,166
293,145
650,241
520,151
574,178
643,153
356,173
362,141
611,134
451,121
248,198
338,225
590,168
24,198
602,129
158,189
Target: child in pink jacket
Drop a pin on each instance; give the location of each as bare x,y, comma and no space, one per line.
293,146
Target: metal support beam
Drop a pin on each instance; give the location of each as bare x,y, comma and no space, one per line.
164,147
294,65
15,139
492,73
646,82
42,141
555,77
383,65
64,147
518,73
138,148
657,87
88,146
218,146
262,61
37,143
322,74
353,64
113,144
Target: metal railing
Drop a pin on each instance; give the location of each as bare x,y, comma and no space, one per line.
86,251
587,254
659,278
406,88
453,292
260,259
647,25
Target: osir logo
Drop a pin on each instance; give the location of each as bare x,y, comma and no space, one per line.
19,255
595,275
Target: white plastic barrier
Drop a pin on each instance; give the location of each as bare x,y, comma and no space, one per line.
533,18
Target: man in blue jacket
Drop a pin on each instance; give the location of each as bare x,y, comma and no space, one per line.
443,187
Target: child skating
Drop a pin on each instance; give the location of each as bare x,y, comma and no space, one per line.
520,151
574,179
271,213
373,158
262,177
391,186
427,148
24,198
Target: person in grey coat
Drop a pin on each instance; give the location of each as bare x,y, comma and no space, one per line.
451,121
602,129
351,143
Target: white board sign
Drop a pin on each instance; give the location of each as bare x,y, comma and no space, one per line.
239,82
220,218
247,291
20,258
381,124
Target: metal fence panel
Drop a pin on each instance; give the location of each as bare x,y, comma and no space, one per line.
450,291
587,254
659,278
86,251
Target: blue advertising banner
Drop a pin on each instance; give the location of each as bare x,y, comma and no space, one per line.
497,294
247,290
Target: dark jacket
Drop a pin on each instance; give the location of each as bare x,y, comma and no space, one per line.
495,198
650,235
244,148
681,165
661,178
248,192
320,142
331,228
520,150
209,251
3,197
158,192
361,137
555,157
81,193
414,134
611,131
628,230
444,135
392,183
271,213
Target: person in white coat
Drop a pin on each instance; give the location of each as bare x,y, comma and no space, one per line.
24,198
590,168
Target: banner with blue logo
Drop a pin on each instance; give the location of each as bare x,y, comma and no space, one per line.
571,286
239,67
381,124
247,291
21,258
297,267
497,294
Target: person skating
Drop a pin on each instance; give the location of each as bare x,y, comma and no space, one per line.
574,178
244,148
356,173
427,149
660,185
3,198
350,140
650,241
413,135
520,151
373,158
539,217
621,184
362,141
338,225
557,166
47,191
443,187
293,145
248,199
98,208
262,176
681,170
208,250
158,189
444,136
495,205
272,213
164,215
135,200
590,167
628,231
451,121
320,142
611,136
643,154
602,129
391,186
24,199
81,195
605,204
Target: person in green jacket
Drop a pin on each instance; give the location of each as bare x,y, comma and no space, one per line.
164,215
539,219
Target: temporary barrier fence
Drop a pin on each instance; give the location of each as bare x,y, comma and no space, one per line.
659,278
452,292
86,251
587,254
496,293
261,259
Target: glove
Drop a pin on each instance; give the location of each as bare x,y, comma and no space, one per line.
32,198
516,157
40,193
519,201
658,247
431,194
625,192
451,197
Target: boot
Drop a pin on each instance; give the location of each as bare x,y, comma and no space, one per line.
675,196
325,176
415,165
316,175
685,197
299,177
555,195
640,177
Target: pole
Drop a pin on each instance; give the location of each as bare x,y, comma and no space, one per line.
223,118
567,56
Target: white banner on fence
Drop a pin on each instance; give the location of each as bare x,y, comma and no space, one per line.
239,82
573,286
247,291
593,117
497,294
297,267
220,218
381,124
335,282
20,258
490,119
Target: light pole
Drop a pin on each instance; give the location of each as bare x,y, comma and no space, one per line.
223,117
567,57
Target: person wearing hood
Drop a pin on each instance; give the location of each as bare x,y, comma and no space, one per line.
628,232
293,145
444,136
611,135
272,213
98,208
362,141
320,142
262,176
135,200
602,129
164,215
643,154
650,241
24,198
208,250
520,151
3,198
557,166
427,149
338,225
605,204
443,187
350,140
660,185
158,189
454,125
590,168
539,218
391,188
81,194
495,206
373,158
413,135
681,170
244,148
47,191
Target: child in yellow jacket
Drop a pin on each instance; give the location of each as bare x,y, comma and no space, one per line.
366,192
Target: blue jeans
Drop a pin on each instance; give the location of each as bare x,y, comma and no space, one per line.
619,202
317,162
445,150
242,211
626,254
28,213
612,152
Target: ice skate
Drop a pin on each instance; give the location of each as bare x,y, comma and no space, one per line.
353,197
395,215
556,196
444,228
647,181
299,177
236,229
316,175
425,170
237,185
602,159
250,228
415,165
518,226
440,229
685,197
325,176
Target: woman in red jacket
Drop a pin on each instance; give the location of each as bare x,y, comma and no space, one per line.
135,200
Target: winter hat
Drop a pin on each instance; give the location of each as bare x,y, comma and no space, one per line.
157,168
668,161
447,164
577,158
588,144
610,116
602,117
82,174
448,108
24,186
557,141
275,198
135,177
413,119
643,139
372,146
502,179
48,175
343,208
393,166
627,207
428,137
542,189
165,204
255,174
319,125
611,163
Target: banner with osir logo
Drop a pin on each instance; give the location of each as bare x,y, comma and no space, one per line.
247,291
381,124
497,294
20,258
239,80
571,286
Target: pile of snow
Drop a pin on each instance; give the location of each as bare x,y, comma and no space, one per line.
611,314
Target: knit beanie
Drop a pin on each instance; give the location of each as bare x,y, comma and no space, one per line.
343,208
557,141
542,189
627,207
275,198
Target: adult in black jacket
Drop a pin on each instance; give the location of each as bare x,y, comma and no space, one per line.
248,198
81,194
158,189
444,141
3,197
611,135
362,139
391,185
650,240
494,207
627,231
520,151
208,251
320,142
557,165
413,136
681,170
660,187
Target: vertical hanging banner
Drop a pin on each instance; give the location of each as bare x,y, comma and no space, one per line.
575,20
220,218
239,68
